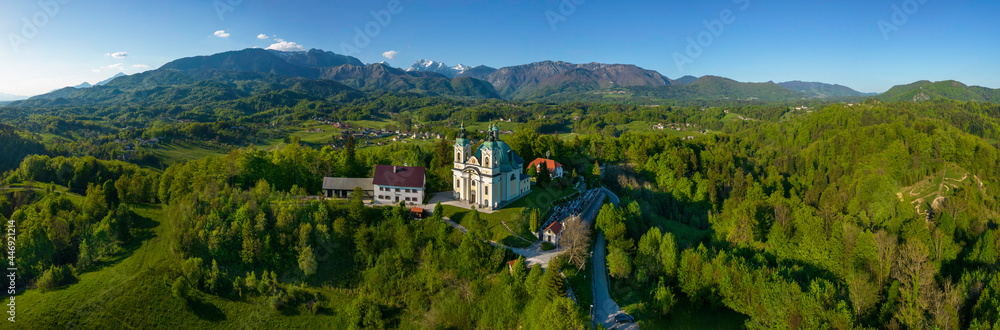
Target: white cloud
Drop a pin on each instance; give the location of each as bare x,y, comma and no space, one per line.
262,36
286,46
390,54
117,55
222,34
140,66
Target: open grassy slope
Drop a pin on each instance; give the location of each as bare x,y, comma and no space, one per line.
132,291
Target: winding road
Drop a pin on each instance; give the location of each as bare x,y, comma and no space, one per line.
605,308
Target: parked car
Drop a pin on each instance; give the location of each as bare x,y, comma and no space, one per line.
624,318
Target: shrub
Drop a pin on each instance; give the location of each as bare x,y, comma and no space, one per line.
180,288
546,246
55,277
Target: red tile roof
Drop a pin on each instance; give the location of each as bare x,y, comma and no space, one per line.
551,164
556,227
399,176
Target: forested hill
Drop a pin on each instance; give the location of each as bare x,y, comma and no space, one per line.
925,90
821,90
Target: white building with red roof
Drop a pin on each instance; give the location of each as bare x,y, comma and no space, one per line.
555,169
552,233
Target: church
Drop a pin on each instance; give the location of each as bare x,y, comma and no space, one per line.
490,177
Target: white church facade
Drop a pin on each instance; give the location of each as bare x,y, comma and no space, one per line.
491,176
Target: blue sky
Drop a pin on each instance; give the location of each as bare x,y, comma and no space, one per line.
829,41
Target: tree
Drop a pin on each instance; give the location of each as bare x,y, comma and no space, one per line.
95,204
531,283
668,255
886,246
533,221
180,288
85,259
519,272
111,195
619,265
647,259
664,297
356,208
307,261
915,274
553,284
366,314
213,279
544,177
479,229
612,223
562,314
576,238
862,292
438,212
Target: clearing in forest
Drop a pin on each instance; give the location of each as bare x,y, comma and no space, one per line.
935,189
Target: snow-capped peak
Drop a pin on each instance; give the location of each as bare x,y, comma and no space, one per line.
439,67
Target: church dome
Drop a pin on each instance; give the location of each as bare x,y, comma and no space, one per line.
507,160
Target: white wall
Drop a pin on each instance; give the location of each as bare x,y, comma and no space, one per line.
416,195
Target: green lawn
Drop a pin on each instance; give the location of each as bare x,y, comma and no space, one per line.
513,215
132,291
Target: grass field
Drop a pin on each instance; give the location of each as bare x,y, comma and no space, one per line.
370,123
75,197
729,118
132,291
48,138
636,126
329,131
181,151
513,215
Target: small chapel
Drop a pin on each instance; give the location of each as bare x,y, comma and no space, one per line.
491,176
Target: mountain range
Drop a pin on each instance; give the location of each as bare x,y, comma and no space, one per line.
822,91
323,74
100,83
11,97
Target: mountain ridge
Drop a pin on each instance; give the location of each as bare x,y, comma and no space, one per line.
823,90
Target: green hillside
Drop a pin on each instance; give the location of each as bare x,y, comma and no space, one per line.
925,91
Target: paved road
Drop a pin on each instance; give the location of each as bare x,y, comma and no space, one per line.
605,308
